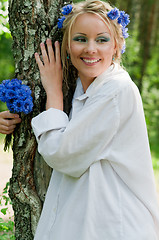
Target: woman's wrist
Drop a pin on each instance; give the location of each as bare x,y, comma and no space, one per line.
54,100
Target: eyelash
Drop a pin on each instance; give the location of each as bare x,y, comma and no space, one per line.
80,39
99,40
102,40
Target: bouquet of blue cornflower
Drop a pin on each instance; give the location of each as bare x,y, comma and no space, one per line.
16,95
18,99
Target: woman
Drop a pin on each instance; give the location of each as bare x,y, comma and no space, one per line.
8,122
102,185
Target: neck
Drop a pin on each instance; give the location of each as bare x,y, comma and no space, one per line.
86,82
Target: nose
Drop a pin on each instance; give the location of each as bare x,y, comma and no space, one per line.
91,47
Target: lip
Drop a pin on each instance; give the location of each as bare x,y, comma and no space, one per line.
90,61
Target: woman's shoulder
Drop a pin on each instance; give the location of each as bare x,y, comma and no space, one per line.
119,81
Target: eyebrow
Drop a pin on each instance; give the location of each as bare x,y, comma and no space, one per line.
97,34
80,33
102,33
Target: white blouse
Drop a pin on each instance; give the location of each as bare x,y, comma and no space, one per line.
102,186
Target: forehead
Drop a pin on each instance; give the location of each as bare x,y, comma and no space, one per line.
89,23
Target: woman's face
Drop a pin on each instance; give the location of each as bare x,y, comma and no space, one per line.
91,46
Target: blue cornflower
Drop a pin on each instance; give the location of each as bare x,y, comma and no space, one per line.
14,84
2,93
27,106
18,105
25,89
123,49
113,14
123,19
5,82
21,94
10,105
60,22
125,33
67,9
10,94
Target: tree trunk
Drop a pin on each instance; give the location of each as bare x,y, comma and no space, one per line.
31,22
145,35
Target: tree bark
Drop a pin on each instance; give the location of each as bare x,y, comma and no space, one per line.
31,22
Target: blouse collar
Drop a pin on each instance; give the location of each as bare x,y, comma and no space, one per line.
109,74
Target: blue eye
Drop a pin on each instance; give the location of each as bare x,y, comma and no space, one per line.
80,39
102,39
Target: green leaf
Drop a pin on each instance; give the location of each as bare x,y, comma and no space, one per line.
6,199
5,190
4,210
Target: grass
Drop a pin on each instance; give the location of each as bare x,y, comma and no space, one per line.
6,227
6,230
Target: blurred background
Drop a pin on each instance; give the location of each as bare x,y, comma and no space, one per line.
141,60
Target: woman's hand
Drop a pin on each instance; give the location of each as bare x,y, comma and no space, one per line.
51,74
8,122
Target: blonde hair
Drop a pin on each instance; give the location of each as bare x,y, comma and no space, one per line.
99,8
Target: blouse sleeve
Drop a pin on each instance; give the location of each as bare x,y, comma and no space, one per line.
72,146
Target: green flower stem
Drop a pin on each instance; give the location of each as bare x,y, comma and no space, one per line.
7,142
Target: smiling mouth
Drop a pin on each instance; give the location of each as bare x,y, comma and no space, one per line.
90,60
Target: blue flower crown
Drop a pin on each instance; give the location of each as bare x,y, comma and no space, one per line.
65,11
123,19
121,16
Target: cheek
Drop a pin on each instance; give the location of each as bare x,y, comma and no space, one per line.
108,47
107,51
75,50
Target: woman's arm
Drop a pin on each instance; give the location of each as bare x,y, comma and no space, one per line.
8,122
72,146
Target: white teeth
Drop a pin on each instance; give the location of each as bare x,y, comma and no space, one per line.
90,61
